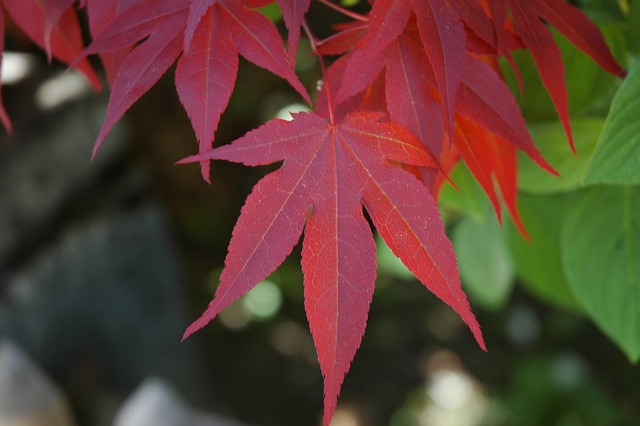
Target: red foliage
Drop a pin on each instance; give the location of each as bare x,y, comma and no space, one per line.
330,172
414,89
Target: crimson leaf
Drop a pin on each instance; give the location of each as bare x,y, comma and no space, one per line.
329,173
212,34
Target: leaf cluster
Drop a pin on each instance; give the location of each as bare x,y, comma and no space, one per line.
416,95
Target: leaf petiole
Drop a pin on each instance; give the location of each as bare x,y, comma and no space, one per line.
326,86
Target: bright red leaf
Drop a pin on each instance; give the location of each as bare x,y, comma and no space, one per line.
486,99
441,32
161,24
53,9
547,56
537,37
409,93
212,34
577,27
101,13
491,159
52,25
412,100
293,12
330,172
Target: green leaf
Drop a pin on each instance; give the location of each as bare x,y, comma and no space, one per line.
272,11
551,139
484,260
601,253
633,27
538,260
469,198
617,157
602,10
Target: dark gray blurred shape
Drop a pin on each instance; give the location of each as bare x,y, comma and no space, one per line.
107,295
44,165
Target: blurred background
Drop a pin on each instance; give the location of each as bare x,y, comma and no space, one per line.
103,264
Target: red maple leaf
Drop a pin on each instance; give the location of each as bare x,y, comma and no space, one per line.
52,25
100,14
330,172
207,36
538,39
441,33
412,100
293,12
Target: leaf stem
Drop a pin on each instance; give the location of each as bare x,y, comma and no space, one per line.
344,11
325,77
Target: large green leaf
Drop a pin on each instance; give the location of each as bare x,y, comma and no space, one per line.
538,260
617,157
601,253
551,139
484,260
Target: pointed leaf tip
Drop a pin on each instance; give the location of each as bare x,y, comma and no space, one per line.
200,323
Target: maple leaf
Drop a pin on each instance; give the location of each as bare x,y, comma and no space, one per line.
161,24
52,25
207,36
538,39
329,173
441,32
476,18
490,157
412,100
293,12
410,94
100,14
